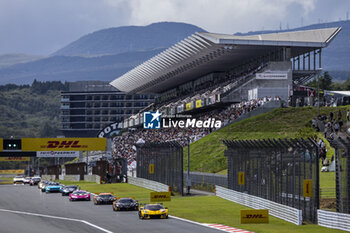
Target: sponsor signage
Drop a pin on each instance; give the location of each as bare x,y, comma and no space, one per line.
11,171
160,196
188,106
241,180
64,144
109,130
17,154
1,144
198,103
57,154
307,188
151,168
7,159
254,216
272,75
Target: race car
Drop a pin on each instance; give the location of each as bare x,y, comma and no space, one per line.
52,187
79,195
26,180
34,181
104,198
125,204
148,211
42,183
66,190
18,179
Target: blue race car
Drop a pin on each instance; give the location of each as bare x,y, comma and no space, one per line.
52,187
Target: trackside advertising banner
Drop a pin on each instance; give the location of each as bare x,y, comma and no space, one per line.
7,159
1,144
64,144
11,171
57,154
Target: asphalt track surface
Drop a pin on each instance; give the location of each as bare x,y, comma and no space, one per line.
24,208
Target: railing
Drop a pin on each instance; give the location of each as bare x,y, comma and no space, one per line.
327,192
333,220
280,211
206,179
148,184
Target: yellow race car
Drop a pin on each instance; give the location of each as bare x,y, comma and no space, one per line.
148,211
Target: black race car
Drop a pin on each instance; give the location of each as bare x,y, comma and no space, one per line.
104,198
125,204
66,190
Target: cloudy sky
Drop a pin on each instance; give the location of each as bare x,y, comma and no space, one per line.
44,26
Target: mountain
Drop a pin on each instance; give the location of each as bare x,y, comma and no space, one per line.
11,59
335,58
102,55
129,39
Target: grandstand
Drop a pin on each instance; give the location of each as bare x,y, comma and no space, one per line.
223,76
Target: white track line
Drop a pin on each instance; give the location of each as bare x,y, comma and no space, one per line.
56,217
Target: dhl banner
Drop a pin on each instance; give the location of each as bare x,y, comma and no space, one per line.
1,144
198,103
11,171
254,216
7,159
160,196
64,144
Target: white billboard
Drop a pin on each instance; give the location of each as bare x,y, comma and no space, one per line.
57,154
272,75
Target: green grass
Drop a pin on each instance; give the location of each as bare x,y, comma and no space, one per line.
204,209
207,154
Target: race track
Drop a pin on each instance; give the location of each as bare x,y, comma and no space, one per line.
24,208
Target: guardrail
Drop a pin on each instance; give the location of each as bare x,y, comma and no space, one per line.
69,177
327,192
148,184
277,210
333,220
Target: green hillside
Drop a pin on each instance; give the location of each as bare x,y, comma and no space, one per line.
30,111
207,154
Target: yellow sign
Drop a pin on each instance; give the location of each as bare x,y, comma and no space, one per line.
188,106
5,159
160,196
151,168
307,188
64,144
1,144
254,216
11,171
241,178
198,103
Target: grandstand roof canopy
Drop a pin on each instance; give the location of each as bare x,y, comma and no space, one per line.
203,53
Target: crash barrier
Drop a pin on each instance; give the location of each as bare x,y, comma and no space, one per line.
148,184
70,177
100,169
76,169
161,162
277,210
342,176
92,178
285,171
206,180
48,177
334,220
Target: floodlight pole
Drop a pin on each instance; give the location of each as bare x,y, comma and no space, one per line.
319,71
188,180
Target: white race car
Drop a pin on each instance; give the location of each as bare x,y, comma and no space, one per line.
18,180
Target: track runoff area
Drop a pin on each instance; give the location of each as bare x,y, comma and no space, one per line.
25,208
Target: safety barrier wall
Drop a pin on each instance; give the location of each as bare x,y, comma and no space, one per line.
70,177
48,177
277,210
206,179
92,178
148,184
333,220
